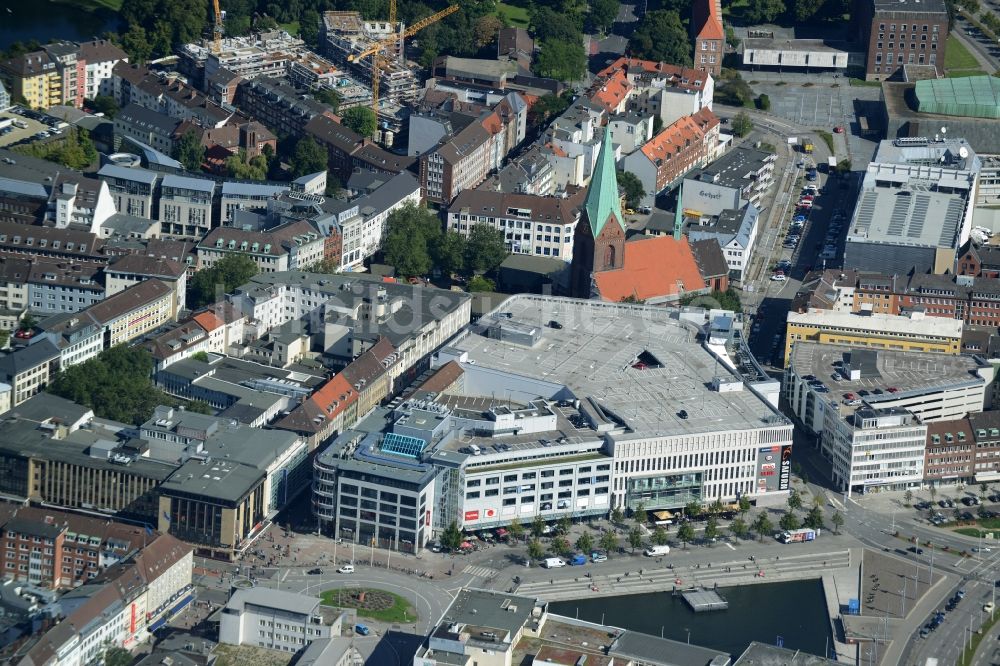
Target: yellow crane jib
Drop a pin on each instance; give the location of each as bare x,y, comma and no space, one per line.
375,48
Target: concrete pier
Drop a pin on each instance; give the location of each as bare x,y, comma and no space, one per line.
701,601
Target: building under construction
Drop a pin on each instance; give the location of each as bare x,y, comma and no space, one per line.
346,33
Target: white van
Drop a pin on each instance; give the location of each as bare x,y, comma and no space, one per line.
657,551
553,563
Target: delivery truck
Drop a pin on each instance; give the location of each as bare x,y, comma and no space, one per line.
657,551
798,536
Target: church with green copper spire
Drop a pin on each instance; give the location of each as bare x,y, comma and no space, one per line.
599,242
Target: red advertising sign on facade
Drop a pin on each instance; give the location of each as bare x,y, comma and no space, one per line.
471,515
490,513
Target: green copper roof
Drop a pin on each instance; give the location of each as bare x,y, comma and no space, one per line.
602,198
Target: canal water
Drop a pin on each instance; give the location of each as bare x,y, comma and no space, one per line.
46,20
790,613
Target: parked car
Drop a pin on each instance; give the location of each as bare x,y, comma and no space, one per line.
346,569
315,572
838,130
778,278
598,557
362,630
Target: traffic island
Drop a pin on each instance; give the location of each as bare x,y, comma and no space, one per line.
372,603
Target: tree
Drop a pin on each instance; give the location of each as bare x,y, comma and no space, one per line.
804,10
209,284
480,283
547,23
602,15
361,119
742,125
609,542
309,22
983,489
117,656
908,495
562,60
328,96
932,491
764,11
685,533
189,151
4,338
548,106
136,44
716,507
412,231
199,407
814,518
174,21
516,529
617,515
117,384
535,549
487,30
738,527
564,525
788,521
244,167
711,528
635,538
560,546
200,356
660,537
837,520
762,525
661,36
764,102
451,537
744,505
794,500
105,104
537,526
634,189
692,509
27,322
485,250
448,252
639,513
309,158
585,544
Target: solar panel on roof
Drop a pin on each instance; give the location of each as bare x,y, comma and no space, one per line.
402,445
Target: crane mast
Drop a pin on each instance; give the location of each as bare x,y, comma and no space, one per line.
375,49
217,27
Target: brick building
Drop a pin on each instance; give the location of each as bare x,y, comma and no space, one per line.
902,32
949,452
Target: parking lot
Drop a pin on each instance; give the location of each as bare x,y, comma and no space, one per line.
29,126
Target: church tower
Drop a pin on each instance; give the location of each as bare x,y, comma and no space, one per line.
599,242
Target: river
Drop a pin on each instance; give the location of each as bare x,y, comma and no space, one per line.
795,611
47,20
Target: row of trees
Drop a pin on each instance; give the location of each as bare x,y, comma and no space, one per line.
75,150
794,11
415,243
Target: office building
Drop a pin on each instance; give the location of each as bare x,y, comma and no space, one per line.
152,128
737,178
951,454
137,310
482,627
131,269
28,369
914,332
132,190
874,448
59,287
277,620
896,34
733,230
915,209
931,386
362,234
291,246
531,224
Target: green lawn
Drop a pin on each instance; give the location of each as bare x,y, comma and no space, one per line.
956,56
827,139
401,610
113,5
291,28
512,14
959,73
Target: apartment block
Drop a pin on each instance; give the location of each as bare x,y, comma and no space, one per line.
535,225
152,128
35,77
28,369
132,269
138,309
277,104
100,57
185,208
688,143
133,190
290,246
950,454
664,90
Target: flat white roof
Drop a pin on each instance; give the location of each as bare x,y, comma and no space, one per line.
935,326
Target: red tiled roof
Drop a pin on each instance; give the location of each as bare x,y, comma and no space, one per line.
655,266
612,90
706,14
674,137
680,77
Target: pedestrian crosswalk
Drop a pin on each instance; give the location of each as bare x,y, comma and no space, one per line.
481,572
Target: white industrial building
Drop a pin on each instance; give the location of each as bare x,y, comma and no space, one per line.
276,620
